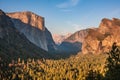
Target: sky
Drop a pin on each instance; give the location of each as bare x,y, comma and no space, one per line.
66,16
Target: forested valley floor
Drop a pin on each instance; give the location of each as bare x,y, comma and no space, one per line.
79,67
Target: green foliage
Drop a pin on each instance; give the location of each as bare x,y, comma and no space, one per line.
113,64
80,67
94,75
74,68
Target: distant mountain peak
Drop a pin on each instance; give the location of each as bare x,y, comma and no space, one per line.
107,24
60,38
110,22
105,19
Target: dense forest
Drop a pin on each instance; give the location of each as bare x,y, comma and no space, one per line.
80,67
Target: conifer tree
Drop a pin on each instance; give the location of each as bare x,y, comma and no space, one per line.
113,63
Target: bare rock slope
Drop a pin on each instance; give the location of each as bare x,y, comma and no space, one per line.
100,40
13,44
33,27
93,40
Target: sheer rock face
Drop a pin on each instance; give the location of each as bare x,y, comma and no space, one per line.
32,26
13,44
100,40
29,18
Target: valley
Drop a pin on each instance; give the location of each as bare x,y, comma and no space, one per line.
28,50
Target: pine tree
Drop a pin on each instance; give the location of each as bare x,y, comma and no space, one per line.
113,64
94,75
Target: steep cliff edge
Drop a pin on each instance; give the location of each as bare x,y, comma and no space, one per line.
100,40
30,18
13,44
32,26
93,40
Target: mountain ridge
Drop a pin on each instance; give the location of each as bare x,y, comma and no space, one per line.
96,40
29,17
100,40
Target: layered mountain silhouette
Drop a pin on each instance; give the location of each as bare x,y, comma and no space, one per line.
14,44
23,34
73,43
94,40
33,27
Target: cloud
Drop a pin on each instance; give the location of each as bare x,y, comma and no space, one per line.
77,27
67,4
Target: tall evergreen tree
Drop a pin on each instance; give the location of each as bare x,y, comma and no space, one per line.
113,63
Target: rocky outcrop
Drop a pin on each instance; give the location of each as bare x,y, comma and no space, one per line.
100,40
30,18
14,44
32,26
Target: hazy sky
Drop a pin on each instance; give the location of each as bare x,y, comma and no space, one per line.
66,16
